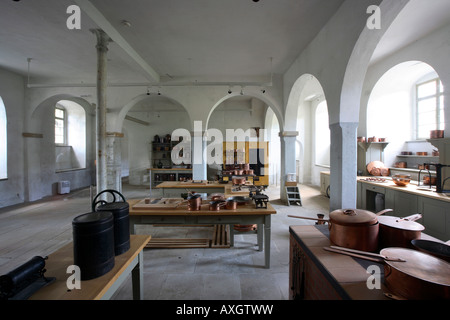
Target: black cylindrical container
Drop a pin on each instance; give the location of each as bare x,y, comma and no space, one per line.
93,243
120,211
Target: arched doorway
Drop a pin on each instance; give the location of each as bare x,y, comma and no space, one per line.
243,112
307,113
148,116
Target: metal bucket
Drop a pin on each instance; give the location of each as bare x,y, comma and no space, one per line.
93,243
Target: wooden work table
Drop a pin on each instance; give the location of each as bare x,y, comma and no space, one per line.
99,288
245,215
317,274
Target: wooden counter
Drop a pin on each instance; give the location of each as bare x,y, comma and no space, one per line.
316,274
99,288
244,215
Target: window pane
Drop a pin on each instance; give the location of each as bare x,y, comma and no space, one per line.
3,142
427,89
59,131
427,105
59,113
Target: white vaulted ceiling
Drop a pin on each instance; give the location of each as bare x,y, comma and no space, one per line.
205,40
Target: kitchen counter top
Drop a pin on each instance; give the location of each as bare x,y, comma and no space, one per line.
412,188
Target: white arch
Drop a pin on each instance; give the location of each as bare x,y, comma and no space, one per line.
259,95
123,112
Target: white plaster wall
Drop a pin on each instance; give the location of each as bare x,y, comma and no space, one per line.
12,190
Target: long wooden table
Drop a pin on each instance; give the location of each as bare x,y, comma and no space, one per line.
244,215
100,288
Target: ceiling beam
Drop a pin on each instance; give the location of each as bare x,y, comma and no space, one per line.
106,26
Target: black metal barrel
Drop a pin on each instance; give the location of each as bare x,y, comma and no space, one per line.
93,243
120,211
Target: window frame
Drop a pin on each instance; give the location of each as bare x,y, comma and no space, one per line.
4,153
64,119
438,96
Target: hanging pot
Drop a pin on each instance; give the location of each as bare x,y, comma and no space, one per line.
398,232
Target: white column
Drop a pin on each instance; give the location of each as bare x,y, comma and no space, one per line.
198,153
343,182
102,49
114,161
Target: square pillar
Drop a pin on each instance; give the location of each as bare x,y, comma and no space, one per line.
343,184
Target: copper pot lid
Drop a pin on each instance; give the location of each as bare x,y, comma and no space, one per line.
353,217
419,265
397,223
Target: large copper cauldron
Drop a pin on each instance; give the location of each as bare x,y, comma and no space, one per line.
421,277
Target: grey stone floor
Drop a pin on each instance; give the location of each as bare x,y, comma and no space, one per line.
237,273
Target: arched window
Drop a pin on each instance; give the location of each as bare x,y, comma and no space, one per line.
70,136
3,140
322,135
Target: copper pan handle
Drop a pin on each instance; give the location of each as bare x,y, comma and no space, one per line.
384,211
307,218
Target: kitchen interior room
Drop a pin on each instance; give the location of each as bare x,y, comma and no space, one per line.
247,150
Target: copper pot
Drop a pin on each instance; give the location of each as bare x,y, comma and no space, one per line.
249,171
217,197
436,134
231,205
354,229
216,205
421,277
239,180
399,232
427,180
194,202
401,164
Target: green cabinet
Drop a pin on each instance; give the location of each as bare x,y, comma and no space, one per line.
404,204
435,212
436,217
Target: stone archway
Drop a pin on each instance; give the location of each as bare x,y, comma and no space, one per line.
41,174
